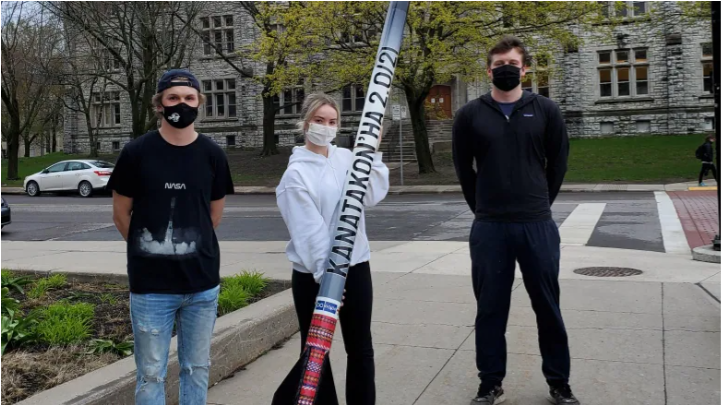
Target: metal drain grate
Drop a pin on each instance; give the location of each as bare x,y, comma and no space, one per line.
608,271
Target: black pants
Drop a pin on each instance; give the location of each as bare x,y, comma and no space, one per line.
355,322
495,247
705,168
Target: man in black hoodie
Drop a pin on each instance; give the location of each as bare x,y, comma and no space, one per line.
519,144
705,153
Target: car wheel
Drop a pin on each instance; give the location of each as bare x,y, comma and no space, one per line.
32,189
85,189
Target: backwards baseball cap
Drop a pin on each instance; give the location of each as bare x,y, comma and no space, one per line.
168,80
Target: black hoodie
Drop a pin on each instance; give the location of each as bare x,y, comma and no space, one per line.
521,160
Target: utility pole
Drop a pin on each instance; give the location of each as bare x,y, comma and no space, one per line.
716,42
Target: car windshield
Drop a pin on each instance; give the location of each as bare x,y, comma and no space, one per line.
103,164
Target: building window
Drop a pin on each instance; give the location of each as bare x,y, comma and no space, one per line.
290,100
105,109
623,8
97,146
536,79
707,67
230,140
708,124
217,30
116,146
220,98
607,128
623,73
354,97
639,8
643,126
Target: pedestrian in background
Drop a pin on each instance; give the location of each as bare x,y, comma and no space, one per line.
309,197
705,154
519,144
169,189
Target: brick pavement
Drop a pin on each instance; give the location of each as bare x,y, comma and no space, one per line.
698,212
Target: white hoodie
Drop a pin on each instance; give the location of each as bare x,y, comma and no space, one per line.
308,195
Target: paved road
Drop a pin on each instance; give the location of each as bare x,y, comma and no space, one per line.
627,220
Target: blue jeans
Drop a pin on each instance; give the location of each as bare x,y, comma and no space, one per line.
152,316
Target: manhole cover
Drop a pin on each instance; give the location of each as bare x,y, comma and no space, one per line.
608,271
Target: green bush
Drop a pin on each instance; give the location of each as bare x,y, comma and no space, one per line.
43,285
16,330
64,323
100,346
231,298
253,282
108,299
9,304
15,283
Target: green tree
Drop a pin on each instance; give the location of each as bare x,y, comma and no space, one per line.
274,60
442,40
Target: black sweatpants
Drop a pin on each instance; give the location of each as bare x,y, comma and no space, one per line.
495,248
705,168
355,324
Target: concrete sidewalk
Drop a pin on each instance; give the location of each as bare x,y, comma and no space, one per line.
455,188
646,339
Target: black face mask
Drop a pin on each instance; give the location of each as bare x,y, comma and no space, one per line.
506,77
180,115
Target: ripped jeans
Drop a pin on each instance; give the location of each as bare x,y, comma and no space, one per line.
152,316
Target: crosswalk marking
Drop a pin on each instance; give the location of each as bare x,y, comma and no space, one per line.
674,238
578,227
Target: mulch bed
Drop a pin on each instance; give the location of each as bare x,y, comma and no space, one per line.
38,367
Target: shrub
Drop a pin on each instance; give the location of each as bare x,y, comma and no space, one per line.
100,346
17,331
9,304
15,283
108,299
231,298
43,285
64,323
253,282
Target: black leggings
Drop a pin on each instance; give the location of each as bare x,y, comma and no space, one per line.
705,168
355,321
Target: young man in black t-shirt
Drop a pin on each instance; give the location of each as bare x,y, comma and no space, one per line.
169,189
519,145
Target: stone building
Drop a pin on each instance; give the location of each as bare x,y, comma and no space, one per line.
651,76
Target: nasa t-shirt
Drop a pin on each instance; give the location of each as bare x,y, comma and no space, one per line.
172,247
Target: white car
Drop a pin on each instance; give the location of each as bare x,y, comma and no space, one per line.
84,175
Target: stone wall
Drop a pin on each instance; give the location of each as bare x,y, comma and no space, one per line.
675,103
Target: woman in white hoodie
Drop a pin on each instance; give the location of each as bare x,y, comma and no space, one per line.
308,197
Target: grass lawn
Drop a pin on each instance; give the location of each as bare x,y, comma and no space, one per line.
651,159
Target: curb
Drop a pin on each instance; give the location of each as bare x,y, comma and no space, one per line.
238,339
706,254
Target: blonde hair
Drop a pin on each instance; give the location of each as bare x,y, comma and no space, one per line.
157,101
311,104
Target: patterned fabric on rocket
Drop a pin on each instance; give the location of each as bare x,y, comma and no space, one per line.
320,337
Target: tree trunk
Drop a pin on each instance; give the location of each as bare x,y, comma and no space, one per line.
54,141
13,149
92,136
27,141
420,133
269,146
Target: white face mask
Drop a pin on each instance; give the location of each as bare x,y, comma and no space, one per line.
320,135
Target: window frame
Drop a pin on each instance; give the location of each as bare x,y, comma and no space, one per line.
226,92
353,98
209,32
111,114
631,64
279,101
707,60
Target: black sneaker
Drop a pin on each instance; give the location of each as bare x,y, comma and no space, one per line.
486,397
562,395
